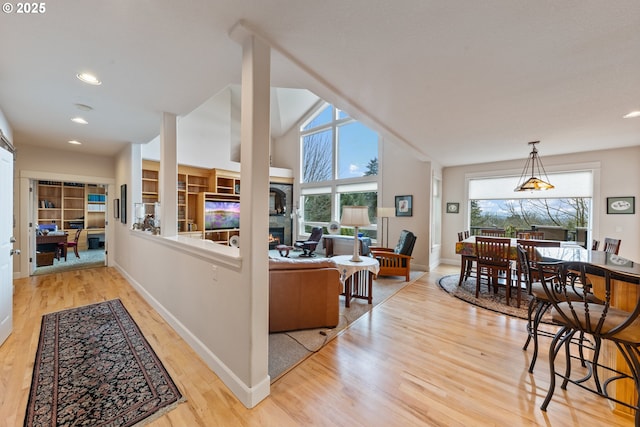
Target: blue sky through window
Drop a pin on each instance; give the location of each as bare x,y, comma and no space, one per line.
357,146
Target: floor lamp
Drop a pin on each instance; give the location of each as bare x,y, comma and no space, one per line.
355,216
386,213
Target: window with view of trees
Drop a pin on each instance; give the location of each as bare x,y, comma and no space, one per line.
565,212
339,167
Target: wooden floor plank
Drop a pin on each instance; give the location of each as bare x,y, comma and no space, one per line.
420,358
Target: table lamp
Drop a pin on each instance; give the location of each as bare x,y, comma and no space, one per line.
355,216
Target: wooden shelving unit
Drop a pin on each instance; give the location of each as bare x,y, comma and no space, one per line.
96,207
194,186
221,236
72,206
150,185
50,203
226,182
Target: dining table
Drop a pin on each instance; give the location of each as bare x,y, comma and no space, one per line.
624,296
468,246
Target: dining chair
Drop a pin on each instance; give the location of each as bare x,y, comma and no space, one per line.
493,232
595,244
530,235
611,245
466,265
494,263
530,246
600,319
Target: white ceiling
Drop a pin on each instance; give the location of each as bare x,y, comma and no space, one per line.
456,81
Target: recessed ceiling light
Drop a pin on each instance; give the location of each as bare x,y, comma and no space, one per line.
89,78
80,121
74,142
632,114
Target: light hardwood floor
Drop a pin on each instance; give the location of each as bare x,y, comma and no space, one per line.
422,358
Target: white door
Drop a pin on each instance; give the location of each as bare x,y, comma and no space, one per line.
6,244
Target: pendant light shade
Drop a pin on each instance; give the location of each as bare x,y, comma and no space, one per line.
531,179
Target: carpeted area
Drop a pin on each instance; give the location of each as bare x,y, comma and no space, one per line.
90,258
94,367
287,349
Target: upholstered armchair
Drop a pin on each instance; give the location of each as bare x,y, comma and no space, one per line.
396,261
309,246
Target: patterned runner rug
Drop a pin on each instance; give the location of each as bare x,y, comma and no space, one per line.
94,367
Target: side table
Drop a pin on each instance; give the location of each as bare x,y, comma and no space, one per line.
357,277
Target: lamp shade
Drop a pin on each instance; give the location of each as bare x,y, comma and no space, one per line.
386,212
534,164
356,216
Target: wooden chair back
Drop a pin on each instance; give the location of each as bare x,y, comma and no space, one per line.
493,251
595,245
493,232
530,235
611,245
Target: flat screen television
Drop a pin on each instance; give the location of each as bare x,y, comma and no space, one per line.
221,215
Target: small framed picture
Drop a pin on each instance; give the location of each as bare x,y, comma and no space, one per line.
621,205
453,208
404,205
116,208
123,203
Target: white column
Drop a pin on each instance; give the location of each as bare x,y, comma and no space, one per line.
254,218
168,176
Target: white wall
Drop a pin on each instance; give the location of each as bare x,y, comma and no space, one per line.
619,176
210,310
204,136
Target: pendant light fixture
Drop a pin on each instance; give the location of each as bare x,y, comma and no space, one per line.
534,168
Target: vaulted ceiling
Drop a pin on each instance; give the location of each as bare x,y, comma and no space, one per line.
455,81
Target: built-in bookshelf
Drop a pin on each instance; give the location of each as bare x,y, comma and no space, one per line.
71,206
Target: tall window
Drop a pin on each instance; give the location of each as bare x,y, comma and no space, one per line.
565,211
339,167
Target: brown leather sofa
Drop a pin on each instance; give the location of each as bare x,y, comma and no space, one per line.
303,294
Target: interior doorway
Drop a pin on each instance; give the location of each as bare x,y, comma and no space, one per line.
69,226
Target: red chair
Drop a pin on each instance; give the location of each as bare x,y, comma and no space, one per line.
63,247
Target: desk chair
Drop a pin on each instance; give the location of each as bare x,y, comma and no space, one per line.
63,247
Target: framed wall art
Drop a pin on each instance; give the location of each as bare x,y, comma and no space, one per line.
621,205
404,205
123,203
453,208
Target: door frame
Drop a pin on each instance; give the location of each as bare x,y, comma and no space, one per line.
28,179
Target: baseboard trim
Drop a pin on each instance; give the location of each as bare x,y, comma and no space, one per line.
249,396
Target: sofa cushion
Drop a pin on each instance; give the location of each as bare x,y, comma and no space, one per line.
300,264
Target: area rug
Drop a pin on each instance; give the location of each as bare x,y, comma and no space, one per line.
94,367
288,349
494,302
